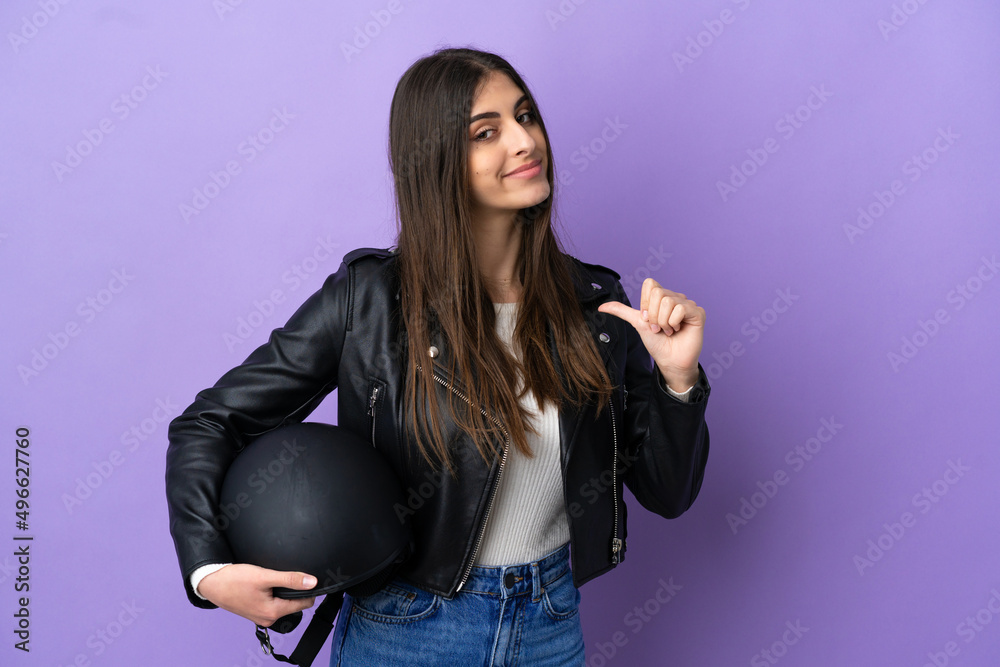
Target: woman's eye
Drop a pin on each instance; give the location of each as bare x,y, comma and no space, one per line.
523,118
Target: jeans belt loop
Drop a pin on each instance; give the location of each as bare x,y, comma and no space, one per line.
536,582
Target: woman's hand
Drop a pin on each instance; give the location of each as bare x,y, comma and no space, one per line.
245,590
672,328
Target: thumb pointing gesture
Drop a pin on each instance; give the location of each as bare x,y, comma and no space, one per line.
671,327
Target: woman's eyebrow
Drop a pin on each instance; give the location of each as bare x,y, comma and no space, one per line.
494,114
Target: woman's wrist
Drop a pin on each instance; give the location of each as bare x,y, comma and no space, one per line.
201,573
680,381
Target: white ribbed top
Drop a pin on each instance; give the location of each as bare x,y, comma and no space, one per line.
528,518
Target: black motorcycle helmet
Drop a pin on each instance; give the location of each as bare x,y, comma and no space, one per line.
316,498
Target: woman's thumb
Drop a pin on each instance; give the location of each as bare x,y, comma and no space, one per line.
299,581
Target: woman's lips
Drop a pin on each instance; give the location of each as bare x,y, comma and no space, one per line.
527,171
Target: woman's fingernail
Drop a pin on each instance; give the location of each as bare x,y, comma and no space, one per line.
309,581
645,316
654,327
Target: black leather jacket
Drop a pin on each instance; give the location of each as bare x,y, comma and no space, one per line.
347,336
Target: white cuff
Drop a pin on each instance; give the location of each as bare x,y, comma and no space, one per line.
203,572
684,396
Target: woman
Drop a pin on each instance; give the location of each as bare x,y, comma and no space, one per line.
479,355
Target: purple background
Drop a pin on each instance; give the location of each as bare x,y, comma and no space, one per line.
643,198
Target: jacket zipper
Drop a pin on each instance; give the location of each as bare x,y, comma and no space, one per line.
371,409
496,485
616,543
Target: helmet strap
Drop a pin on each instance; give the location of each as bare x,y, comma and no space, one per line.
312,639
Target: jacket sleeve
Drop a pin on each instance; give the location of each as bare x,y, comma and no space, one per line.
280,382
667,437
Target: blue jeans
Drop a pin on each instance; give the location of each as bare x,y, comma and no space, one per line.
512,615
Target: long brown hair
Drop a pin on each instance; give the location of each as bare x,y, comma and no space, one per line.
442,288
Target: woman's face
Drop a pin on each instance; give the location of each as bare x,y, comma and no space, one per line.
503,138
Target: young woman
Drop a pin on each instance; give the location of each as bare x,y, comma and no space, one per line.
478,355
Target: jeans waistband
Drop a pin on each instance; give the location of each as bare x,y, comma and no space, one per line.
510,580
